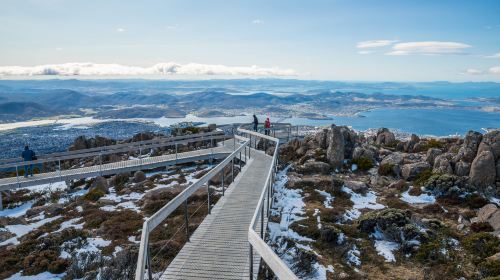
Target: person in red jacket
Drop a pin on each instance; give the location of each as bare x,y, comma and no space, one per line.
267,126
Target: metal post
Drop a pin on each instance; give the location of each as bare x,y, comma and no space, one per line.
208,198
269,196
234,142
240,160
251,262
175,153
17,176
186,214
262,221
100,164
1,202
59,169
223,188
232,170
150,271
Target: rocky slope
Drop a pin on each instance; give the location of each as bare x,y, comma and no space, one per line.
369,206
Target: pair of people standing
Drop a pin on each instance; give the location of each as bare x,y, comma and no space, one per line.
267,125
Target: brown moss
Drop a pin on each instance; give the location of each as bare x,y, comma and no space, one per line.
93,195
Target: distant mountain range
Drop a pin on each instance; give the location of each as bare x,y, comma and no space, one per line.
24,100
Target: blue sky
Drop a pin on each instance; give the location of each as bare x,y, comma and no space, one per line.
331,40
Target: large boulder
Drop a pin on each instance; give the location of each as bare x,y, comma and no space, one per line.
432,153
321,139
410,144
357,186
412,170
350,139
483,170
363,152
470,146
101,184
491,214
336,145
462,168
314,167
385,137
492,139
442,164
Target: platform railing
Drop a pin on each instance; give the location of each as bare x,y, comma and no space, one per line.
257,240
144,264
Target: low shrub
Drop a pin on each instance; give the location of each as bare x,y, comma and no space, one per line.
93,195
482,244
423,177
490,268
481,227
363,163
475,201
386,170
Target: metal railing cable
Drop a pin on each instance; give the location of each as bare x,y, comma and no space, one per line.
144,261
256,240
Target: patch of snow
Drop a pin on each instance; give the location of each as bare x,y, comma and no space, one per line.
17,211
495,200
328,198
42,276
108,208
73,223
341,238
56,186
368,201
385,248
94,245
421,199
353,256
117,250
318,217
21,230
79,208
354,167
132,239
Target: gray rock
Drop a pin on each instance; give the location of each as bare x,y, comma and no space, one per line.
409,146
394,159
432,153
494,220
486,211
462,168
483,170
470,146
442,164
139,176
356,186
100,183
362,152
320,138
492,139
314,167
412,170
385,137
336,145
50,210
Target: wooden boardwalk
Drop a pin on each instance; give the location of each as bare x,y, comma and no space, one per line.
219,248
116,167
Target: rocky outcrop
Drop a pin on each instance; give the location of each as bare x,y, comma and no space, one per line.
363,152
412,170
81,143
410,145
483,170
492,140
336,146
385,137
462,168
314,167
470,146
357,186
432,153
442,164
490,214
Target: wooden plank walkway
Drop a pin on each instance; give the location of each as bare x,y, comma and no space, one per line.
116,167
219,248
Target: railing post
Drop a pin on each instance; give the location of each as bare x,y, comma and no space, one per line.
234,142
262,221
232,170
1,202
150,272
100,164
186,214
59,169
240,160
175,153
222,181
251,262
208,198
17,176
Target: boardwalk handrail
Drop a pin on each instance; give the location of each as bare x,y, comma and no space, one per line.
158,217
111,149
273,261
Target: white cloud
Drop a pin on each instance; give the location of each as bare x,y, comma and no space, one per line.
497,55
169,68
365,52
173,26
428,48
256,21
120,29
374,44
494,70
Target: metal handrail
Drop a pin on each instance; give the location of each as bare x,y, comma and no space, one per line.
273,261
111,149
158,217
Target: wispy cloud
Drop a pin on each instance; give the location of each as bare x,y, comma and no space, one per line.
375,44
173,26
256,21
491,71
497,55
119,29
428,48
169,68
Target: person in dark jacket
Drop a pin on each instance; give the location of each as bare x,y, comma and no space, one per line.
267,126
28,155
255,123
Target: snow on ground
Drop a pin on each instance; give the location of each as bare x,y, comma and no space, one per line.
353,256
368,201
73,223
56,186
318,217
328,198
385,248
421,199
42,276
21,230
17,211
287,202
